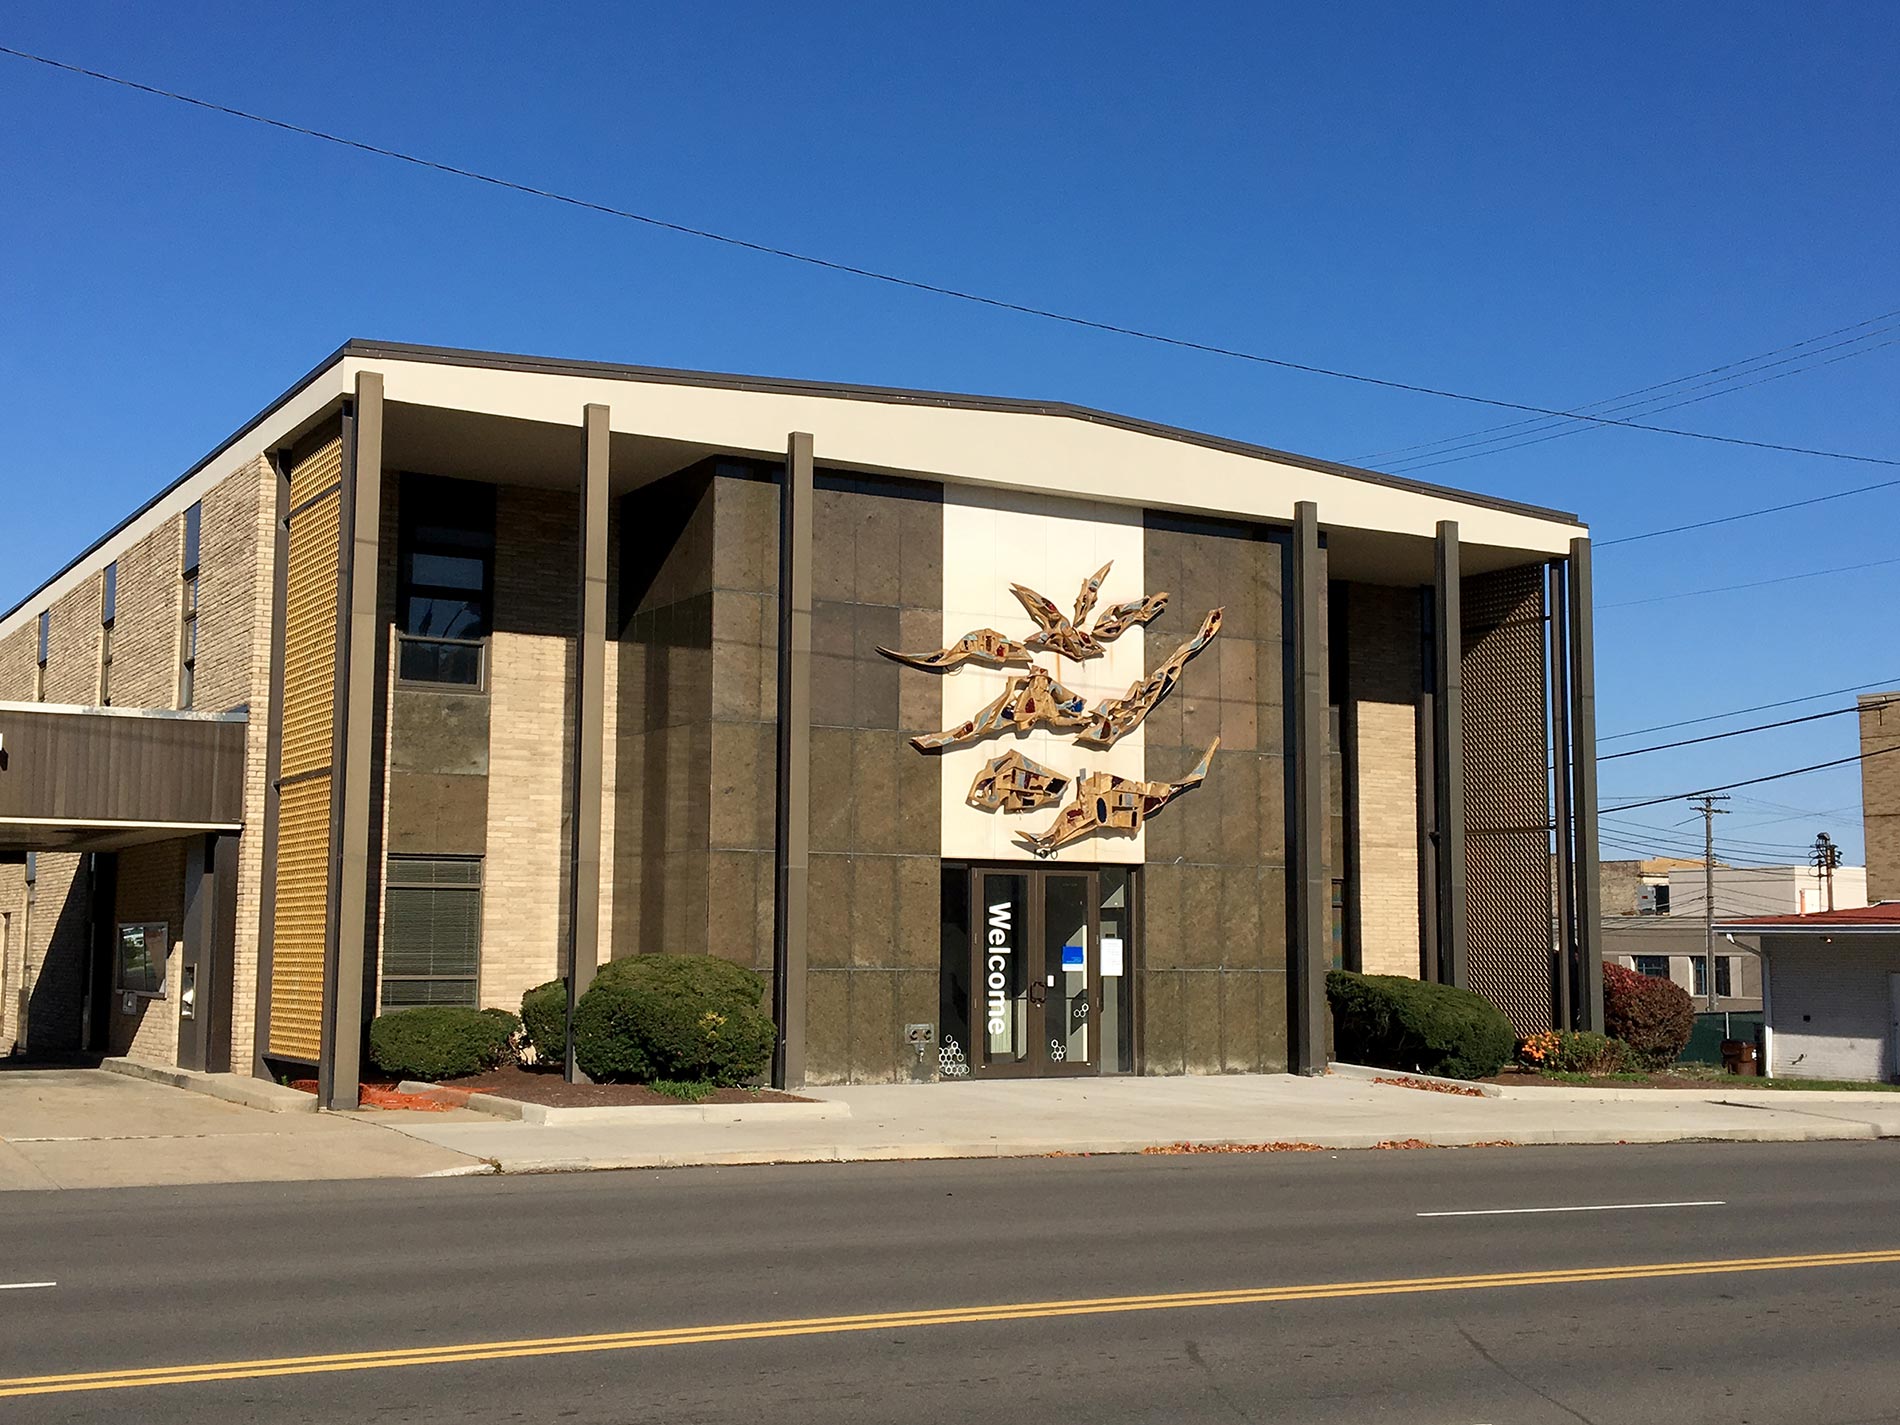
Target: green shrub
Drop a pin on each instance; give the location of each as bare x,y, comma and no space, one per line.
440,1041
703,976
1566,1051
544,1021
1652,1015
675,1017
1391,1022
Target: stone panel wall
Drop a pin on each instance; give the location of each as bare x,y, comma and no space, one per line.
876,891
1214,888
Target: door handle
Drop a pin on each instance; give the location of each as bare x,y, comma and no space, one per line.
1038,993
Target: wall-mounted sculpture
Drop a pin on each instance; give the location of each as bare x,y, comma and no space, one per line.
1032,699
1117,717
1063,635
1105,802
1057,632
1013,782
985,646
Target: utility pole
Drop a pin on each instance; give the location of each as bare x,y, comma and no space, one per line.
1826,857
1709,812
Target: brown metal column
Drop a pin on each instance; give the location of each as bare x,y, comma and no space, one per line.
590,716
1312,890
1448,755
1583,730
791,841
341,1069
1565,937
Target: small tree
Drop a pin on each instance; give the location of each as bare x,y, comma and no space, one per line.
1652,1015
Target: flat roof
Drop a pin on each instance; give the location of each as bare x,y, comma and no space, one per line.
310,396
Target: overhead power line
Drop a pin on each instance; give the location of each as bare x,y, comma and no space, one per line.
1654,406
918,285
1749,514
1732,732
1610,401
1893,682
1752,781
1752,584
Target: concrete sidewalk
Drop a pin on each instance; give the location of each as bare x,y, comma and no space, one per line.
66,1128
1005,1119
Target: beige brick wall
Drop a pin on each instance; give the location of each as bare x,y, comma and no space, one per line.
235,547
151,888
1383,636
530,742
1880,792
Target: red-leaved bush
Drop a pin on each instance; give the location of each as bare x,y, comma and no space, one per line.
1651,1015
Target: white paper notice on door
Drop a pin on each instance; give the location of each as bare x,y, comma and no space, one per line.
1111,956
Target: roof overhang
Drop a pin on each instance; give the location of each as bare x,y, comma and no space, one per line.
519,414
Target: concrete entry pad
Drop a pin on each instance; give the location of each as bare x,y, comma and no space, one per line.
64,1128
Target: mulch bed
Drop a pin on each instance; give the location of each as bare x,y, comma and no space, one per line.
549,1088
382,1096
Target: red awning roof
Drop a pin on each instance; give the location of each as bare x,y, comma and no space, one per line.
1884,915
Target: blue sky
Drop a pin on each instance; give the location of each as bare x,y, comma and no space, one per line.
1540,203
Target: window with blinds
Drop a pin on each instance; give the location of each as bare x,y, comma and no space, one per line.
432,931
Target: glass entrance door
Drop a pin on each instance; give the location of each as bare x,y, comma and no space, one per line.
1036,970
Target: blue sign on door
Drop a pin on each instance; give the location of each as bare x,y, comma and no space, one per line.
1074,958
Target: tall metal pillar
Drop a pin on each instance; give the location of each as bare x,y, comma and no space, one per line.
341,1069
1312,890
590,716
1448,755
1565,938
792,825
1583,729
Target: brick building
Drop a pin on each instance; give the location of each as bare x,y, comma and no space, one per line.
1880,792
450,670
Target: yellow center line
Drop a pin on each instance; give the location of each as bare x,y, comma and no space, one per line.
141,1376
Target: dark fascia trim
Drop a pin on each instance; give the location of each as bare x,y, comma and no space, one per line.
890,395
897,395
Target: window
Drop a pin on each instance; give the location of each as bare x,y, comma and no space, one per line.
1657,965
445,579
108,608
46,638
142,950
1724,975
188,613
432,931
1662,900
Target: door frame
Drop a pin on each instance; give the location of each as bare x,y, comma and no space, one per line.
1032,946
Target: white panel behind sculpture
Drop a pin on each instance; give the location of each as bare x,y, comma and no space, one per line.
995,538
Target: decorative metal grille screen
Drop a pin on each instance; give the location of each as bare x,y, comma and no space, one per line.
1507,811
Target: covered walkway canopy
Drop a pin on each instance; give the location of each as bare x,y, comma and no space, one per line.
103,779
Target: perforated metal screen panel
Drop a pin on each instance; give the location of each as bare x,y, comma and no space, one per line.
1507,810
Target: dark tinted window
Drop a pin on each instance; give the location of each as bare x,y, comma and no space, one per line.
446,572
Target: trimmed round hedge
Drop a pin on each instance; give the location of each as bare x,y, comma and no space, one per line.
1654,1016
544,1021
440,1041
693,1018
1390,1022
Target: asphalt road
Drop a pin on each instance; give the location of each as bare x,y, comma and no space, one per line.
155,1278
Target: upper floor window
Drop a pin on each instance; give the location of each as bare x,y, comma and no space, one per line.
108,610
188,613
39,672
1657,965
445,579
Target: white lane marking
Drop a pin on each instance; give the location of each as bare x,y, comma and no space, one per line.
1600,1207
24,1286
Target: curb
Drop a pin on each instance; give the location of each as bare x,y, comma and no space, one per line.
1338,1142
242,1089
1367,1074
652,1115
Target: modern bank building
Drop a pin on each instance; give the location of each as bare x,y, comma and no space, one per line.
1004,738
